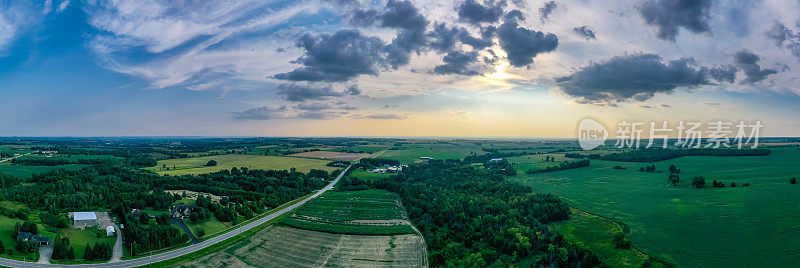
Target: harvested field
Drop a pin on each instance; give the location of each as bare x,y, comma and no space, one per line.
331,155
280,246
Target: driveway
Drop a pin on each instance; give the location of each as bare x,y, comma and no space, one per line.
44,253
105,220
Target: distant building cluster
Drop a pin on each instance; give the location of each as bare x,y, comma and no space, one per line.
387,169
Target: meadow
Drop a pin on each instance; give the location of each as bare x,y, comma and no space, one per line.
410,153
196,165
353,212
368,176
752,226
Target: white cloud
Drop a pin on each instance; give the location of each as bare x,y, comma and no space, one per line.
7,31
64,4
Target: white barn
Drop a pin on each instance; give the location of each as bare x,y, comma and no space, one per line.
110,231
84,219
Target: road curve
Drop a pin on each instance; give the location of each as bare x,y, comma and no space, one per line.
184,250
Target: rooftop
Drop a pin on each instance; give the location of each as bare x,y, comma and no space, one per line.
82,216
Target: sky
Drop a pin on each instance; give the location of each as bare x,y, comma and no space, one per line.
483,68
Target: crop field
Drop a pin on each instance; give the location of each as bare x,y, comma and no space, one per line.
368,176
280,246
197,165
411,153
752,226
330,155
536,161
353,212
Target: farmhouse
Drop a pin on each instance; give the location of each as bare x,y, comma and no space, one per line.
84,219
496,160
33,239
181,210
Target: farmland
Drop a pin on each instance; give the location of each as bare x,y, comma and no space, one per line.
329,155
410,153
197,165
281,246
353,212
711,227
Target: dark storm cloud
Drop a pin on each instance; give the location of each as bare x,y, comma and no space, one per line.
476,13
443,38
335,58
669,15
726,73
522,44
457,62
636,77
585,32
748,62
547,9
514,16
301,93
261,113
405,17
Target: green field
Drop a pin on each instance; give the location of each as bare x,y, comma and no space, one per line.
411,153
26,171
197,165
536,161
368,176
211,226
352,212
753,226
78,238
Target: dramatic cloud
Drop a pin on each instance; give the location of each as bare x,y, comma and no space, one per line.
522,45
301,93
457,62
726,73
405,17
547,9
476,13
636,77
785,37
669,15
338,57
585,32
443,38
748,62
363,18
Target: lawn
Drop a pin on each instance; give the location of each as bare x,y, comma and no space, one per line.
78,238
352,212
536,161
210,226
196,165
710,227
6,237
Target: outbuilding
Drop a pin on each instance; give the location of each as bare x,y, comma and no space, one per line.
84,219
110,231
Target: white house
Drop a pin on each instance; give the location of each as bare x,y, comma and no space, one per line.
84,219
110,231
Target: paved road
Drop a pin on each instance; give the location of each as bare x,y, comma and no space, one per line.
184,250
7,159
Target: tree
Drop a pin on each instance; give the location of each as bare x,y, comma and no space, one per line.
793,180
673,169
674,179
620,241
2,247
211,163
699,182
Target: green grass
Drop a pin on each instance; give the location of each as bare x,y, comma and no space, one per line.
340,212
596,234
362,148
536,161
197,165
78,238
26,171
210,226
710,227
368,176
6,237
412,152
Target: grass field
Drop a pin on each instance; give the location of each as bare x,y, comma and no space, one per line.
352,212
210,226
6,237
330,155
751,226
280,246
536,161
27,171
78,238
411,153
197,165
368,176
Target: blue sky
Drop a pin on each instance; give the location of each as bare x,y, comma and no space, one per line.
391,68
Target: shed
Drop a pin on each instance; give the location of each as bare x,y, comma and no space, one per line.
110,231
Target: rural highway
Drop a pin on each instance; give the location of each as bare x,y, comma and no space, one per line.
184,250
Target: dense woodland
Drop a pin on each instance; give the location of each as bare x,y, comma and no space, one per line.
472,217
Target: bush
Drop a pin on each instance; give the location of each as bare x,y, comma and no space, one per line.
699,182
793,180
199,232
211,163
622,242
